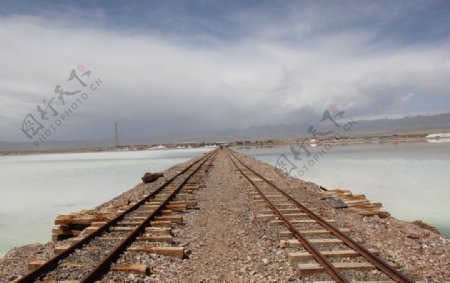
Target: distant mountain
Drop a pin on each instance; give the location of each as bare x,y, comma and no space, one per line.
415,124
432,123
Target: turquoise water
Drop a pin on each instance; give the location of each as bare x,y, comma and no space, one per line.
34,189
411,180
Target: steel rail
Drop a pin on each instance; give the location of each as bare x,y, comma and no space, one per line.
373,259
103,266
326,264
53,262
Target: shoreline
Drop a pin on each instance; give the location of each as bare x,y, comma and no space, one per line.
341,140
380,233
384,172
18,258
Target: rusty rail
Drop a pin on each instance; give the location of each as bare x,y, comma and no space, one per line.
103,266
327,265
373,259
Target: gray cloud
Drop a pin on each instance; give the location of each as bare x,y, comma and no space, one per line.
157,84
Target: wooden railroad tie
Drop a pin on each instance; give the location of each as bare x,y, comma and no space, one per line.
136,218
293,210
308,269
288,234
150,207
158,230
35,264
272,216
98,224
282,205
166,212
185,196
188,203
177,207
258,196
161,196
175,252
294,243
60,249
163,238
154,202
172,218
72,225
120,229
294,258
133,268
354,203
306,221
161,223
129,223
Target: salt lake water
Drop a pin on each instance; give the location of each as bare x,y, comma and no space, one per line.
412,180
34,189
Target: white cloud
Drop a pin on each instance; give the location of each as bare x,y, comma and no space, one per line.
151,79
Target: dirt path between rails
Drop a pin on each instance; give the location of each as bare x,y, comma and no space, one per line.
226,245
218,228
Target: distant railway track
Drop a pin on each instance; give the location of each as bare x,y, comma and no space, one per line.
91,258
309,230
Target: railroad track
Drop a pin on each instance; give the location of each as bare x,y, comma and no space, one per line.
137,229
315,244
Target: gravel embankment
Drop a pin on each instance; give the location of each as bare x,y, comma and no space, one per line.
419,252
224,244
15,262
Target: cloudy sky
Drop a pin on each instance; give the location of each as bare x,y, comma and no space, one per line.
187,66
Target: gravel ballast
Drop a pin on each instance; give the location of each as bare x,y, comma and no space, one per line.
224,244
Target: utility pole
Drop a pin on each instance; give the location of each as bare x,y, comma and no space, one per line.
117,135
